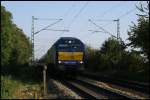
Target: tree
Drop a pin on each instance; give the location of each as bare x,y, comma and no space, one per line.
139,34
111,52
132,61
92,58
6,27
15,46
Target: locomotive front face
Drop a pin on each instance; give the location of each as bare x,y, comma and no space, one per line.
70,55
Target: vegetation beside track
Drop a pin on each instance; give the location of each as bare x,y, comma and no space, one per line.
129,60
15,89
16,73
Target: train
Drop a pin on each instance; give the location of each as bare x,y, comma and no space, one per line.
66,55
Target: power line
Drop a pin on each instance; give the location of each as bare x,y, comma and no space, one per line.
45,19
128,12
123,15
117,5
105,31
69,9
106,24
94,31
48,26
106,12
33,33
57,21
78,14
103,20
57,30
66,14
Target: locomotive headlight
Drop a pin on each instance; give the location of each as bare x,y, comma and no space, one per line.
81,62
59,62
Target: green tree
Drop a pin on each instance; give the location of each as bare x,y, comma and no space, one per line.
132,61
92,58
111,52
15,46
6,30
139,34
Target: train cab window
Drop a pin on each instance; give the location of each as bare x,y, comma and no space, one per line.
70,45
63,47
77,47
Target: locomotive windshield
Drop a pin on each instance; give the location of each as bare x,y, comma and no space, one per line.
70,46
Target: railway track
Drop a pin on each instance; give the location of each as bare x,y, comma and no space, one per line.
144,88
121,90
90,91
85,88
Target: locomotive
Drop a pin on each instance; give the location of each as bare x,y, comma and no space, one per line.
66,55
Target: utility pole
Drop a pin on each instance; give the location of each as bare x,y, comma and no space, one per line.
32,39
45,28
118,29
105,31
118,35
119,40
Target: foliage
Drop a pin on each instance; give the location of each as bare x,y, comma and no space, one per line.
139,34
15,46
92,58
112,56
111,51
14,89
132,62
107,57
6,27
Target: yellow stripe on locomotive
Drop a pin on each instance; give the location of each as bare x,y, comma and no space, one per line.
70,55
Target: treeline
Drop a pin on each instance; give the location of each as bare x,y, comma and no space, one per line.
131,58
114,56
15,45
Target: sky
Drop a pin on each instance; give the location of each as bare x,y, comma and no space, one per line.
75,17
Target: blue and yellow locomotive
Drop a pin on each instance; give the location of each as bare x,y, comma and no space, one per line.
66,55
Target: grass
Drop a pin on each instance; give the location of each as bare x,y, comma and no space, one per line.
15,89
22,82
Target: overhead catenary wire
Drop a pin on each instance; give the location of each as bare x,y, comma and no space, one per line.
75,17
45,19
57,30
128,12
105,31
68,11
63,17
114,7
106,20
120,17
123,15
34,33
94,31
47,26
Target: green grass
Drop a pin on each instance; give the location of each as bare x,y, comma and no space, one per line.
21,82
15,89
